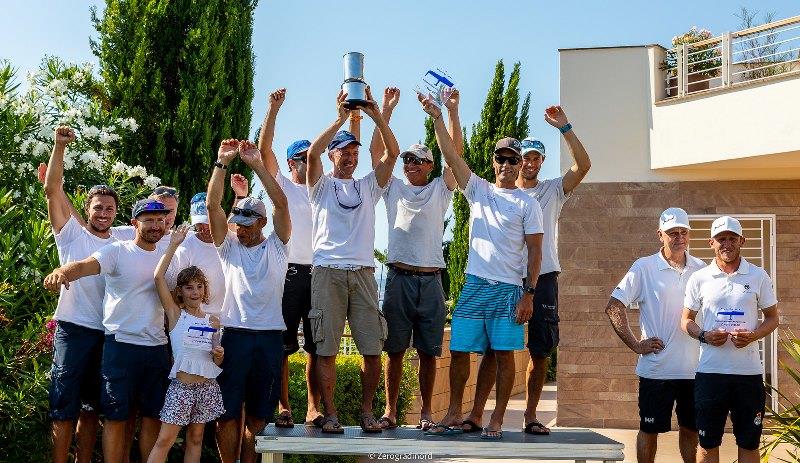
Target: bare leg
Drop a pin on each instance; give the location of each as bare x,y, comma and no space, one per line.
130,430
394,374
283,402
536,372
194,442
312,382
114,440
228,440
646,445
505,383
62,438
326,375
748,456
253,426
166,437
427,379
148,435
459,374
707,455
487,372
370,377
86,436
687,443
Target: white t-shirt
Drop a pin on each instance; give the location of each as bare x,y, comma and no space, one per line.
204,256
300,251
82,303
416,222
659,289
254,279
343,214
128,233
730,301
499,219
551,197
132,310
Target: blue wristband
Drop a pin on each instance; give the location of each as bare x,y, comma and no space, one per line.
566,128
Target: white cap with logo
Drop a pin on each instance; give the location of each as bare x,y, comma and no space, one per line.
726,223
420,151
672,218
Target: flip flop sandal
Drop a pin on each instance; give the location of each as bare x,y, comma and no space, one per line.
425,424
473,426
536,424
486,436
316,422
284,420
335,429
388,421
367,422
446,430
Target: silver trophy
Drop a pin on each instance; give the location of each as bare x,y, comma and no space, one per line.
437,85
354,84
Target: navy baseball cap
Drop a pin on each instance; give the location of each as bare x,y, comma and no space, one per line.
342,139
296,148
149,205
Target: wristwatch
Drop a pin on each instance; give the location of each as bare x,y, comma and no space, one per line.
529,289
220,165
702,337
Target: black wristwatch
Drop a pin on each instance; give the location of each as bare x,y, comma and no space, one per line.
702,337
220,165
529,289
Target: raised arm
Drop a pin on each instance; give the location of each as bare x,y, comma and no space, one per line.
459,167
451,101
228,150
355,123
318,146
391,96
59,208
71,272
164,294
556,117
618,315
267,132
280,205
383,170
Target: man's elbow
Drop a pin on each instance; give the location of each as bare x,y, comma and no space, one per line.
584,168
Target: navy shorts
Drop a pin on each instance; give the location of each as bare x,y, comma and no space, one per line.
296,304
657,397
75,375
543,327
413,306
717,394
251,372
134,378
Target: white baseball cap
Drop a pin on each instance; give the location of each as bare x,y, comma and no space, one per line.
726,223
420,151
672,218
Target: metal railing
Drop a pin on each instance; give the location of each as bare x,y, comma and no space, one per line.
733,57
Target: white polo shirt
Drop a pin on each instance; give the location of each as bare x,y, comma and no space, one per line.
300,251
659,288
730,301
551,197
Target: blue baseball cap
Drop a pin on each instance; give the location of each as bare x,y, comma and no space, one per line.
149,205
531,144
297,147
342,139
197,209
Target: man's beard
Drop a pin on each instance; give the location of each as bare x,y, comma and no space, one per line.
98,230
146,237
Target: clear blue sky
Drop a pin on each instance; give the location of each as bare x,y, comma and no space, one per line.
299,45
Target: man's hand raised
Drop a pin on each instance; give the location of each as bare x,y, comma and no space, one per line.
451,98
343,112
429,106
240,185
371,107
555,116
276,99
64,135
391,96
250,154
228,150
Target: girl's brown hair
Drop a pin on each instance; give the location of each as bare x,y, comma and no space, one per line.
188,275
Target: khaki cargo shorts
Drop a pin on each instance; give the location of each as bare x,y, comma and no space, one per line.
338,295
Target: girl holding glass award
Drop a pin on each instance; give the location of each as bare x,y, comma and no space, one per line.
193,397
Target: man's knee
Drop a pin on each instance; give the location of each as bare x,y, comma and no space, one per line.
255,425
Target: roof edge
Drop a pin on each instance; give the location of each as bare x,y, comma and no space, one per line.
612,47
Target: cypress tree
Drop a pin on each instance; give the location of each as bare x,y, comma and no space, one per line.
184,71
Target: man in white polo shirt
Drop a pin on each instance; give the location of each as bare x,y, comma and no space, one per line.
343,280
254,268
413,302
135,363
729,292
667,355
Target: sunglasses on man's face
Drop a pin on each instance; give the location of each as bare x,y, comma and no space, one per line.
302,159
165,191
414,160
513,160
245,212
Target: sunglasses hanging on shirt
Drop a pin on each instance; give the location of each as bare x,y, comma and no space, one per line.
347,206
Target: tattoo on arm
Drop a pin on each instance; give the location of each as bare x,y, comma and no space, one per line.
618,315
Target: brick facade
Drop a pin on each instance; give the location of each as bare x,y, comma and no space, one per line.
604,227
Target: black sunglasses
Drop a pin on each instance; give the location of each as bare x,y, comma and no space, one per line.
165,191
245,212
414,160
302,159
503,159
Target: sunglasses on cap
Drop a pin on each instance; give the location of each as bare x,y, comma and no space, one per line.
533,144
165,191
245,212
513,160
414,160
